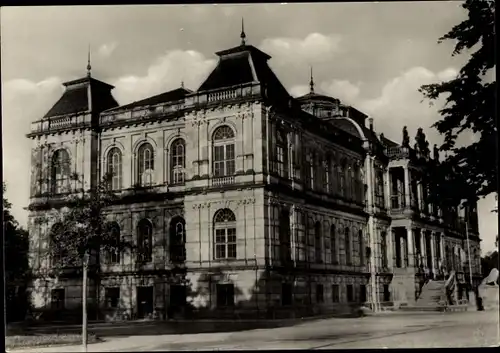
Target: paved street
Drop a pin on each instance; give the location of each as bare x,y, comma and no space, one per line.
409,330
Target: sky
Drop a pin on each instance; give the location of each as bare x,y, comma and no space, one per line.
373,56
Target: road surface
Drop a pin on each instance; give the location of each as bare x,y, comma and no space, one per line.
399,330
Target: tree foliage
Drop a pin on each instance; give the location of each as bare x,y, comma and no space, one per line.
469,171
16,243
82,228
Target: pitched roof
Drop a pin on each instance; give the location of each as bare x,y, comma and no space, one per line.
170,96
75,98
386,142
245,64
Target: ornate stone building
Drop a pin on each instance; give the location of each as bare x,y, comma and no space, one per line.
274,205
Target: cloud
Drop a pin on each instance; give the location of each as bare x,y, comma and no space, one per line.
23,101
342,89
166,73
105,50
401,104
315,47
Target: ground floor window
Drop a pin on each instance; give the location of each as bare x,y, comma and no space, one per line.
362,293
350,293
225,295
57,297
286,294
112,296
319,293
335,293
387,293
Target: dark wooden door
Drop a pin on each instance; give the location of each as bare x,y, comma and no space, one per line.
144,302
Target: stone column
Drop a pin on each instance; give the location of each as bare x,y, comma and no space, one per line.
407,186
410,233
433,252
387,184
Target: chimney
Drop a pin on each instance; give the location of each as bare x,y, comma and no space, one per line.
370,121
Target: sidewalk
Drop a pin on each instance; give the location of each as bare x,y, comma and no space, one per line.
347,328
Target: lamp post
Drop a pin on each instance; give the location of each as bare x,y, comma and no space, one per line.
84,301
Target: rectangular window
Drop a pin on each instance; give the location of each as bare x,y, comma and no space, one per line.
225,295
350,293
362,293
112,296
286,294
280,161
57,298
319,293
225,243
335,293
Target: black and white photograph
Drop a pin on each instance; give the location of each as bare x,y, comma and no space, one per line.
250,176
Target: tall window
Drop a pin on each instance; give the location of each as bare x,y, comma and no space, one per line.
177,161
341,175
113,253
335,250
145,165
223,151
383,248
145,240
379,188
317,242
352,182
177,240
225,234
284,235
309,170
114,161
347,246
358,184
326,175
60,171
361,243
281,153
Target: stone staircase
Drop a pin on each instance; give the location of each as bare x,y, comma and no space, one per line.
433,297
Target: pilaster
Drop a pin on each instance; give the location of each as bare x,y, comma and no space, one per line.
407,186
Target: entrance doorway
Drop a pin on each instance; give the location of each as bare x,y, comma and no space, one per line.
144,302
177,299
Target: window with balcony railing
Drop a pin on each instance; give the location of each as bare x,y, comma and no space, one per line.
223,152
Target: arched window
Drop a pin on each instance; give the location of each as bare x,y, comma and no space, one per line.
225,234
145,165
178,240
177,161
333,240
113,253
145,241
281,153
60,171
317,242
361,242
223,152
114,161
347,246
284,235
